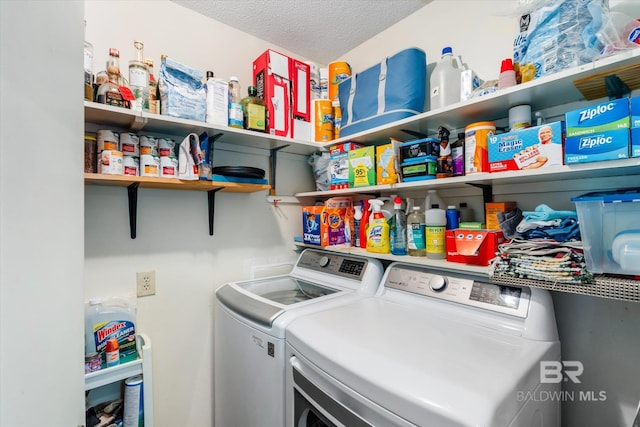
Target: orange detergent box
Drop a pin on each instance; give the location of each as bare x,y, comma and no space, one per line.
386,172
475,247
328,225
492,209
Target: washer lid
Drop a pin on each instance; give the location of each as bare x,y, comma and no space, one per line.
424,366
263,300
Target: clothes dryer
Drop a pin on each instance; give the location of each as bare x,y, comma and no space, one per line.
429,349
250,321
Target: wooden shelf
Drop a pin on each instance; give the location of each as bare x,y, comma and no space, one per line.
171,183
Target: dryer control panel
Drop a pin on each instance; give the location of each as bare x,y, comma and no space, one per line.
513,300
331,263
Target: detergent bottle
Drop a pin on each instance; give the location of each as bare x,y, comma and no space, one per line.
378,230
398,229
444,82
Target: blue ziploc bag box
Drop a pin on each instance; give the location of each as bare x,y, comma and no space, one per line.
635,126
598,132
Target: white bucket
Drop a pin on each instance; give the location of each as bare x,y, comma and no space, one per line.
110,162
169,167
131,165
129,144
107,140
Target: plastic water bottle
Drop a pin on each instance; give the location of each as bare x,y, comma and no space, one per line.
236,116
415,233
398,229
444,82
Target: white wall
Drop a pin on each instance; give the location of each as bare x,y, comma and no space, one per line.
41,214
172,228
601,333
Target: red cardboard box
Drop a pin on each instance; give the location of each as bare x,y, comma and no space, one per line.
284,85
476,247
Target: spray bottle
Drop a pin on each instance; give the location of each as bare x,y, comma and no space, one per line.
398,229
364,223
378,230
357,217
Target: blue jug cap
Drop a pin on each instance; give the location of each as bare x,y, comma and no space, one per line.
446,50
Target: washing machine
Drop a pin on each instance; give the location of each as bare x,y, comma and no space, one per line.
250,321
431,348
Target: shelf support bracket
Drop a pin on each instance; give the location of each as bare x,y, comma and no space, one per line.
211,202
487,193
616,88
138,123
132,192
272,170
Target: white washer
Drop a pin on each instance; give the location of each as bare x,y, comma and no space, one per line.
250,321
429,349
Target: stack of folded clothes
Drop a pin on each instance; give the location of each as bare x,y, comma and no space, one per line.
545,246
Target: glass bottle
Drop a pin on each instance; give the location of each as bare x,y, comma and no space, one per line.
236,118
139,78
88,68
109,92
253,109
153,88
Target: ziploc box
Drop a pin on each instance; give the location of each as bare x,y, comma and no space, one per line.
386,172
635,126
599,132
362,167
530,148
476,247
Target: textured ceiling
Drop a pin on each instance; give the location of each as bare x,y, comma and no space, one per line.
320,30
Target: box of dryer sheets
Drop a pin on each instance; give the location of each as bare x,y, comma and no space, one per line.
362,167
635,126
598,132
386,172
339,164
530,148
476,247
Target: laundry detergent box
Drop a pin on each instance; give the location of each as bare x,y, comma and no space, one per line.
337,221
362,167
598,132
530,148
311,225
635,126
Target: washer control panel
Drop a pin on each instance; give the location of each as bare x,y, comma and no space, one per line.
513,300
336,264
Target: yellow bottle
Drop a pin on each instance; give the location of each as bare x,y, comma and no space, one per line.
378,230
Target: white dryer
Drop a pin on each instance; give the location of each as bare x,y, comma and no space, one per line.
250,321
429,349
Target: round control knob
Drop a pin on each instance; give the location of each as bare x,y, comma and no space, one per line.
437,283
324,261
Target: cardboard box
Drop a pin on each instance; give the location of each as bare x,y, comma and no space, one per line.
343,148
635,126
386,172
339,171
597,133
312,224
284,85
492,210
476,247
530,148
362,167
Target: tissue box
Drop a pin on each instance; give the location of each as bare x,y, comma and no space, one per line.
530,148
609,229
476,247
599,132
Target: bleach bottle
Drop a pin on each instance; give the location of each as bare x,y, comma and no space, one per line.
444,82
108,319
378,230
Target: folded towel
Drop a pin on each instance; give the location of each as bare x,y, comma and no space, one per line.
545,213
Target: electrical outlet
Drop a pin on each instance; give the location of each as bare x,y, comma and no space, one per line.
146,283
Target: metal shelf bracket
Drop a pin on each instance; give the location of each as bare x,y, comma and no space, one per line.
272,171
211,202
132,192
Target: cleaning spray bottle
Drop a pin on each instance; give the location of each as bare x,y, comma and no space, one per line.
398,229
357,217
364,223
378,230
